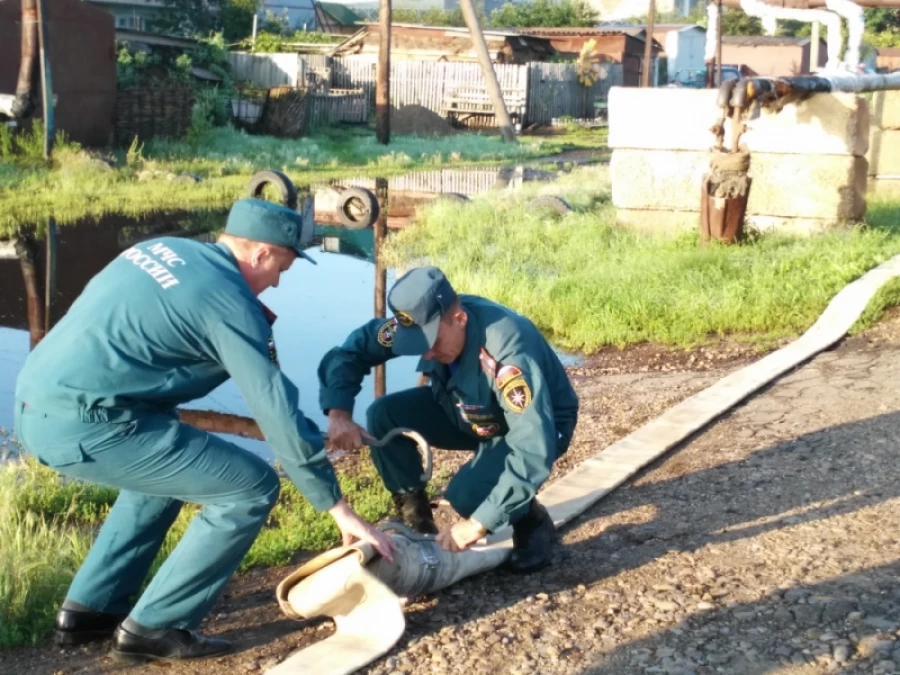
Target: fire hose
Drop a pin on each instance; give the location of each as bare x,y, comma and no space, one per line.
362,592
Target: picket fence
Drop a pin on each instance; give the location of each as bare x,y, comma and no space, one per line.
551,90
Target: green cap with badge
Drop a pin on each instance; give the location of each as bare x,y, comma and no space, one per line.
418,299
259,220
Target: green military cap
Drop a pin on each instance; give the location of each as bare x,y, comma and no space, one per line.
259,220
418,299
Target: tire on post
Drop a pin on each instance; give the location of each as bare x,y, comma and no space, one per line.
357,208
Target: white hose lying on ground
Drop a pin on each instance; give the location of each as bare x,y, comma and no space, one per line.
361,590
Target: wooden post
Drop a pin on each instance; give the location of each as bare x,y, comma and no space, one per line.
381,191
25,249
487,68
46,79
24,90
383,77
648,46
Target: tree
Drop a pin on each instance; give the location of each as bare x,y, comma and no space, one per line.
882,27
187,17
545,13
237,19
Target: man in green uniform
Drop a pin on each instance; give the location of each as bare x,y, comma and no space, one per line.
166,322
497,388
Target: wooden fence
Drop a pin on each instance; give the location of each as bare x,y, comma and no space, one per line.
550,90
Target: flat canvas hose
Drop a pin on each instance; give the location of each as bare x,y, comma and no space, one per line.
362,592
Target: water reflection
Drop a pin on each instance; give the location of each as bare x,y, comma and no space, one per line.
317,306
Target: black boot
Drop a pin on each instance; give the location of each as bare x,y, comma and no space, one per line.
532,535
414,509
167,644
75,627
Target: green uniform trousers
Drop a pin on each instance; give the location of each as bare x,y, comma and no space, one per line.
158,464
400,465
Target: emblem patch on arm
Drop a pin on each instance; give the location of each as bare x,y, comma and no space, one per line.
514,388
273,353
386,333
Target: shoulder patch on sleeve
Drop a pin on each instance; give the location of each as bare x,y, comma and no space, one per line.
507,374
386,333
517,393
488,363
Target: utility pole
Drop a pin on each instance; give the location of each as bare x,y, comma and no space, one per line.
648,45
383,77
487,68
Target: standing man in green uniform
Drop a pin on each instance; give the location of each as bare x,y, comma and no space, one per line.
166,322
497,388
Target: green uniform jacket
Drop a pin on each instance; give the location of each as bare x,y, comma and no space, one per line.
166,322
509,383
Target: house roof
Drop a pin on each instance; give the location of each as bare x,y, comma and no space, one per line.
575,30
675,27
125,35
764,40
449,39
341,14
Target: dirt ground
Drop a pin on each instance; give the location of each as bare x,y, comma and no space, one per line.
767,544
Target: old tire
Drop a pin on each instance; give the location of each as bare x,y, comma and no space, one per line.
557,205
287,191
453,197
357,208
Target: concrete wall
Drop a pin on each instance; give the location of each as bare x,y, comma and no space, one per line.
808,162
884,143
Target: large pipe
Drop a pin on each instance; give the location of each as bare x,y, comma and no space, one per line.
815,4
765,10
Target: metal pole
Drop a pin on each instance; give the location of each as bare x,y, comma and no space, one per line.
648,45
49,272
487,68
255,24
719,47
381,191
46,79
383,77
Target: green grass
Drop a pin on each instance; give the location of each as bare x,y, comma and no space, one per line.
77,187
588,284
47,524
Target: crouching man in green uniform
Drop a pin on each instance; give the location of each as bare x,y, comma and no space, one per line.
167,322
497,388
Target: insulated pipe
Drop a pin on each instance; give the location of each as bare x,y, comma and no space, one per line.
814,4
832,21
856,24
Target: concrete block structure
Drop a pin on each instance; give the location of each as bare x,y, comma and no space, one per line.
808,163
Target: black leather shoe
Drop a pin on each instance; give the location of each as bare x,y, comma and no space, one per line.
532,537
171,644
414,509
74,627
